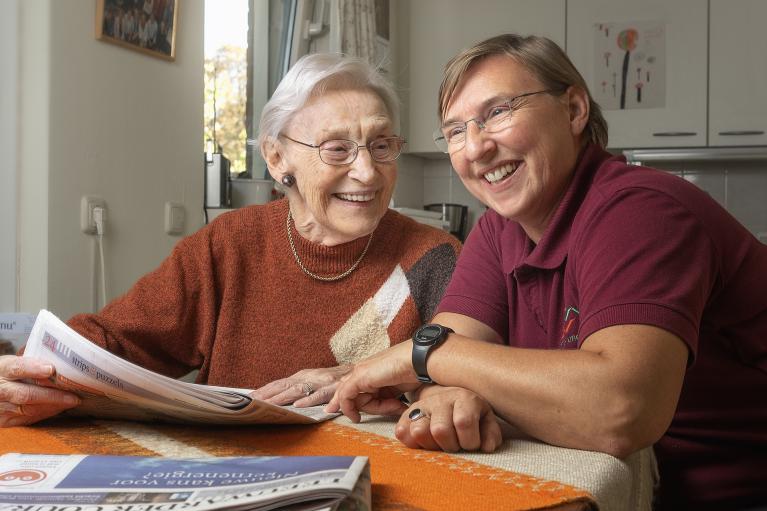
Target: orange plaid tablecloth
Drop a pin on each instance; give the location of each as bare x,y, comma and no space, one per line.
403,478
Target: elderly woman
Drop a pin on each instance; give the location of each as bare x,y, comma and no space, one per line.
597,305
283,296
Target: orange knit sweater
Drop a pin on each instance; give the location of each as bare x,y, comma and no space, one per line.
231,301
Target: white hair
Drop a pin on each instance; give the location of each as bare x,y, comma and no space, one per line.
314,74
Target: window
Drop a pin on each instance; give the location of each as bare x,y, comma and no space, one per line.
227,82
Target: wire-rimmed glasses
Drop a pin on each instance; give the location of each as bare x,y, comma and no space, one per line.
452,136
343,152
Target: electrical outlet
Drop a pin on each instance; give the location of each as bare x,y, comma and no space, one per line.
174,218
87,205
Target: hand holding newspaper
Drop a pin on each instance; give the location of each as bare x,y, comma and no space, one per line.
111,387
40,482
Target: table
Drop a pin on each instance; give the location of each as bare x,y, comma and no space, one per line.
523,474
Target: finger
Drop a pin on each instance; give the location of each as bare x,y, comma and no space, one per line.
29,394
376,405
271,389
289,395
347,396
29,414
17,368
319,397
332,406
420,432
490,430
466,418
443,430
402,431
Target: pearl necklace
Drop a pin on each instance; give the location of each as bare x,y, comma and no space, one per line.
330,278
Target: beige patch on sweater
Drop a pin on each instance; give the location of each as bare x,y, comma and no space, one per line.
363,335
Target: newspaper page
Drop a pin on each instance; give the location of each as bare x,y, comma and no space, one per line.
111,387
42,482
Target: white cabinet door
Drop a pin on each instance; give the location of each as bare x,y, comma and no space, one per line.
438,29
655,51
737,110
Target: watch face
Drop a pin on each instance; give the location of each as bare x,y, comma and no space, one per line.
427,334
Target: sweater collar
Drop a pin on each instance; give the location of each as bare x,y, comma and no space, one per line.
318,258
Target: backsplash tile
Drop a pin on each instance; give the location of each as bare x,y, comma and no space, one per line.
739,186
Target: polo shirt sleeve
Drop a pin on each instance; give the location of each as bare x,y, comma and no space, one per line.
478,286
644,258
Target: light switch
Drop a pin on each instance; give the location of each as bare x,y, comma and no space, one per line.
174,218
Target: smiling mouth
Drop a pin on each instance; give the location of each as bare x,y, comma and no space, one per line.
501,173
355,197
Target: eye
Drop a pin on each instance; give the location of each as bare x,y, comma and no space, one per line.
335,146
454,131
498,110
381,144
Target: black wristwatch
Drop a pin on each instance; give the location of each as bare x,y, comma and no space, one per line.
425,339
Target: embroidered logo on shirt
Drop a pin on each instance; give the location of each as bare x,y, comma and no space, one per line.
571,326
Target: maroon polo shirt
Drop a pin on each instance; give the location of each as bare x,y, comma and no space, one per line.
634,245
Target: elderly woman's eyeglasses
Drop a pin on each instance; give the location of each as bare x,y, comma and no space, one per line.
452,136
343,152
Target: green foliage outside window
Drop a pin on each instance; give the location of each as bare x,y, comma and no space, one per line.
225,102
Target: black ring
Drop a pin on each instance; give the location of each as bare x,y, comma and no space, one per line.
415,414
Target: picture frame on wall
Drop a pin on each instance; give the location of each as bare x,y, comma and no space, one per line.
147,26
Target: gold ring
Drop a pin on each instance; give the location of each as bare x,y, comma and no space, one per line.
308,389
19,409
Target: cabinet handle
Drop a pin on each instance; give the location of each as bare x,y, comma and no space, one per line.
738,133
674,134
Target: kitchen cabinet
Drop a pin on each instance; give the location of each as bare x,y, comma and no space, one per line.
655,51
438,29
737,73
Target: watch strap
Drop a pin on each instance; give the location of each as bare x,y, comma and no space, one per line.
421,353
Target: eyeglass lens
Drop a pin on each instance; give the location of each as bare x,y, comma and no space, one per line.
451,137
341,152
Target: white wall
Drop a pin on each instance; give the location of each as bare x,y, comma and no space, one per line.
8,116
99,119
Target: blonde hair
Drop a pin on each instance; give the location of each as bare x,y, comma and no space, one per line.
542,56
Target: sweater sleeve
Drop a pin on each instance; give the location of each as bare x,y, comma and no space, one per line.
166,321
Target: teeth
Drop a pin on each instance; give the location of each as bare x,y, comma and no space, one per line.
356,197
500,172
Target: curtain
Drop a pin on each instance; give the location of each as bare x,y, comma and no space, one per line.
358,29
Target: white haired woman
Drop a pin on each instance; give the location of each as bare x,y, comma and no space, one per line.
282,297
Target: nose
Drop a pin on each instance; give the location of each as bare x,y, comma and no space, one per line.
363,168
477,144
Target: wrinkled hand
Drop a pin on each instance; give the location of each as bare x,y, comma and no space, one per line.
24,399
321,382
375,383
452,419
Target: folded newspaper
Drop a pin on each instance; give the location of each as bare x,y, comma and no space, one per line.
42,482
111,387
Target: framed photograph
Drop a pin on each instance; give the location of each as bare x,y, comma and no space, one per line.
148,26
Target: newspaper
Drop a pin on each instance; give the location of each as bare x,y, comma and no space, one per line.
111,387
43,482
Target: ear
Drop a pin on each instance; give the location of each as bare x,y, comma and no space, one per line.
578,107
271,150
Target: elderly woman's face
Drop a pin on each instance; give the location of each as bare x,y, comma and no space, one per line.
334,204
522,170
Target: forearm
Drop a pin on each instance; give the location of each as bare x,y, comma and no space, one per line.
572,398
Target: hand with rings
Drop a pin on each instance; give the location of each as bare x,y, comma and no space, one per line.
449,419
308,387
24,398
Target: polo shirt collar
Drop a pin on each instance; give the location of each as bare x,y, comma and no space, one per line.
551,250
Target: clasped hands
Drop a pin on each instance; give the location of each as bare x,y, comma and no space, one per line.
441,418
